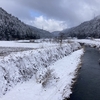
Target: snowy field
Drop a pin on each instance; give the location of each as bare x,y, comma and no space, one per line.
26,44
7,47
58,88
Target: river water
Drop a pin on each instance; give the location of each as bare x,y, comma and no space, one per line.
87,86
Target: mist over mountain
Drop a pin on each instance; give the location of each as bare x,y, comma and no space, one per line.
12,28
86,29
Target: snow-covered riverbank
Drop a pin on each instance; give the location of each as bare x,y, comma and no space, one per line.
91,43
64,71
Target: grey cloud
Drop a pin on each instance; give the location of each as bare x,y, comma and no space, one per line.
73,12
12,7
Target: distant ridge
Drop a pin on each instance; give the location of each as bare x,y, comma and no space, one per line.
56,33
84,30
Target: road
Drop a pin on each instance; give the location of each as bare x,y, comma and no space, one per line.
87,86
4,51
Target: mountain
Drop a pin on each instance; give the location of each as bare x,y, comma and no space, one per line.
56,33
86,29
12,28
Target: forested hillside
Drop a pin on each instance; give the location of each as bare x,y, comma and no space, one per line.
86,29
12,28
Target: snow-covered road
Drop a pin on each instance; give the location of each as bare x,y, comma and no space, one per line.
57,89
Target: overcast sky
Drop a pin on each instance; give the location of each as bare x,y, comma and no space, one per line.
52,15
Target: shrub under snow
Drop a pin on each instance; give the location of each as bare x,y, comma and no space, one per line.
21,66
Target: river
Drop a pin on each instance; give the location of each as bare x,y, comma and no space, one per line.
87,86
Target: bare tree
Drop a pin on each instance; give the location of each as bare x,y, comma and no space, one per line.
61,37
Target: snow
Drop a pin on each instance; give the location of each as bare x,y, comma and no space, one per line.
57,89
44,72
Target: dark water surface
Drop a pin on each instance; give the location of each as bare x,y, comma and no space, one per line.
87,86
